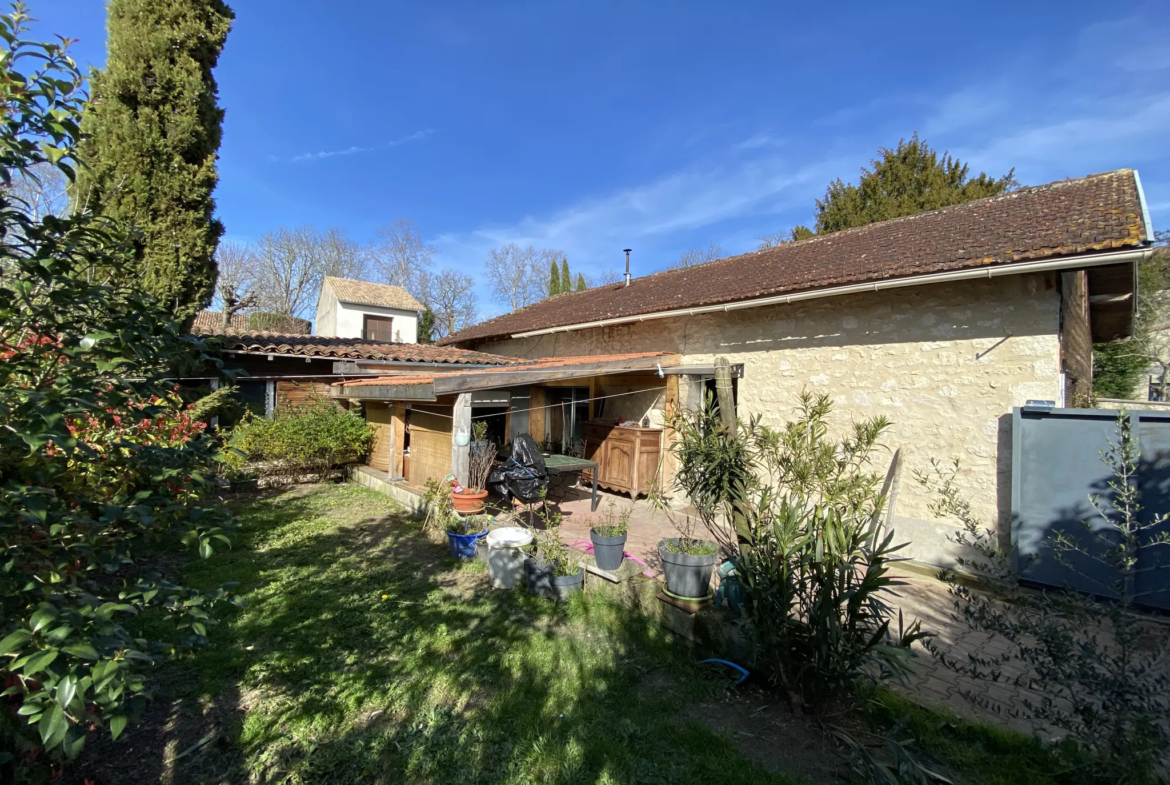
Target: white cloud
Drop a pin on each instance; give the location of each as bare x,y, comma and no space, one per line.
415,137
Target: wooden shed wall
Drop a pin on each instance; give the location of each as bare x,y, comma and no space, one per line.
290,392
430,442
381,417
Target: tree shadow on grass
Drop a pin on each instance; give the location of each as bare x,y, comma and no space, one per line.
366,655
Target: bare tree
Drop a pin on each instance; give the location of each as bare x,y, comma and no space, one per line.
43,190
605,277
290,264
401,257
340,256
520,274
450,296
289,270
776,239
697,255
235,284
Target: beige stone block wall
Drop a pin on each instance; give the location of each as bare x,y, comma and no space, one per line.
945,363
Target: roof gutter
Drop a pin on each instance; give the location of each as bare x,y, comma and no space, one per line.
1134,255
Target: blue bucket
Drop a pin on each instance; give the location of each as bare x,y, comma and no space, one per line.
463,545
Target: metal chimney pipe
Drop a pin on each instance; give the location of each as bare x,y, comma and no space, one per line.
627,250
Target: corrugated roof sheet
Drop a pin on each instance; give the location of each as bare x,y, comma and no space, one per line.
357,349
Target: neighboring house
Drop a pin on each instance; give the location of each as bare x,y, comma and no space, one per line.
943,322
373,311
211,323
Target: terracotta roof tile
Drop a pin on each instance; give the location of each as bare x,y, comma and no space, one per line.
369,293
210,323
356,349
1093,213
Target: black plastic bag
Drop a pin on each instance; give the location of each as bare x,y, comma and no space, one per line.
524,475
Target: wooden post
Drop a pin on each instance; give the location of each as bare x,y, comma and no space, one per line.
594,393
399,424
536,423
461,456
667,464
725,393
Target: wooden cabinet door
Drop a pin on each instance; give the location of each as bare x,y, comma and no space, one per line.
648,452
618,469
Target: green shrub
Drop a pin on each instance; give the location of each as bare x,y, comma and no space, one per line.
812,563
100,460
310,439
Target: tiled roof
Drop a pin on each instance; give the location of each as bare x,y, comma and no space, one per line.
1069,217
539,364
209,323
356,349
367,293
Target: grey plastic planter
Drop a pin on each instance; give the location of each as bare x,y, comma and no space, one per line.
543,583
608,552
687,576
564,585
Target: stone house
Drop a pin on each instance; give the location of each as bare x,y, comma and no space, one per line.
943,321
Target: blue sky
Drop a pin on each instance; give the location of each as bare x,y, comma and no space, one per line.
595,126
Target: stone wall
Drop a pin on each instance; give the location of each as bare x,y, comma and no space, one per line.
945,363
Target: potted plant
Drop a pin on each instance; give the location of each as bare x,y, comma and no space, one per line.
242,481
609,538
688,561
549,570
469,500
463,534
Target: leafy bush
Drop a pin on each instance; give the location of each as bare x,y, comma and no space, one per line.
308,439
799,512
99,458
1098,666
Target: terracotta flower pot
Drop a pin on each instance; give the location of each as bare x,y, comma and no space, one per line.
468,501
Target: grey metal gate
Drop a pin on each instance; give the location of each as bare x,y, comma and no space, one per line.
1056,466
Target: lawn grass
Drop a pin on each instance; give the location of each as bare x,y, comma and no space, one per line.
973,753
365,655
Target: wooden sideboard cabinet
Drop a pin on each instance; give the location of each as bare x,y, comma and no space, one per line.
627,457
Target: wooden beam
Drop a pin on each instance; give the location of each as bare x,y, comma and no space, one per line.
385,392
461,455
518,377
725,393
594,391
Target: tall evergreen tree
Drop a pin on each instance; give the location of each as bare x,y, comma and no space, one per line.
566,277
581,285
554,279
153,128
907,180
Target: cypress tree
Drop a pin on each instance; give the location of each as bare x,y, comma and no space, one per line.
554,280
581,282
153,128
566,278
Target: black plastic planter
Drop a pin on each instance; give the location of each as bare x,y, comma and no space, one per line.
538,574
608,551
687,576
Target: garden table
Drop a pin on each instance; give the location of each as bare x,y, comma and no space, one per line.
564,464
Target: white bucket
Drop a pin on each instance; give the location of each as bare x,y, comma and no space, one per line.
505,559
